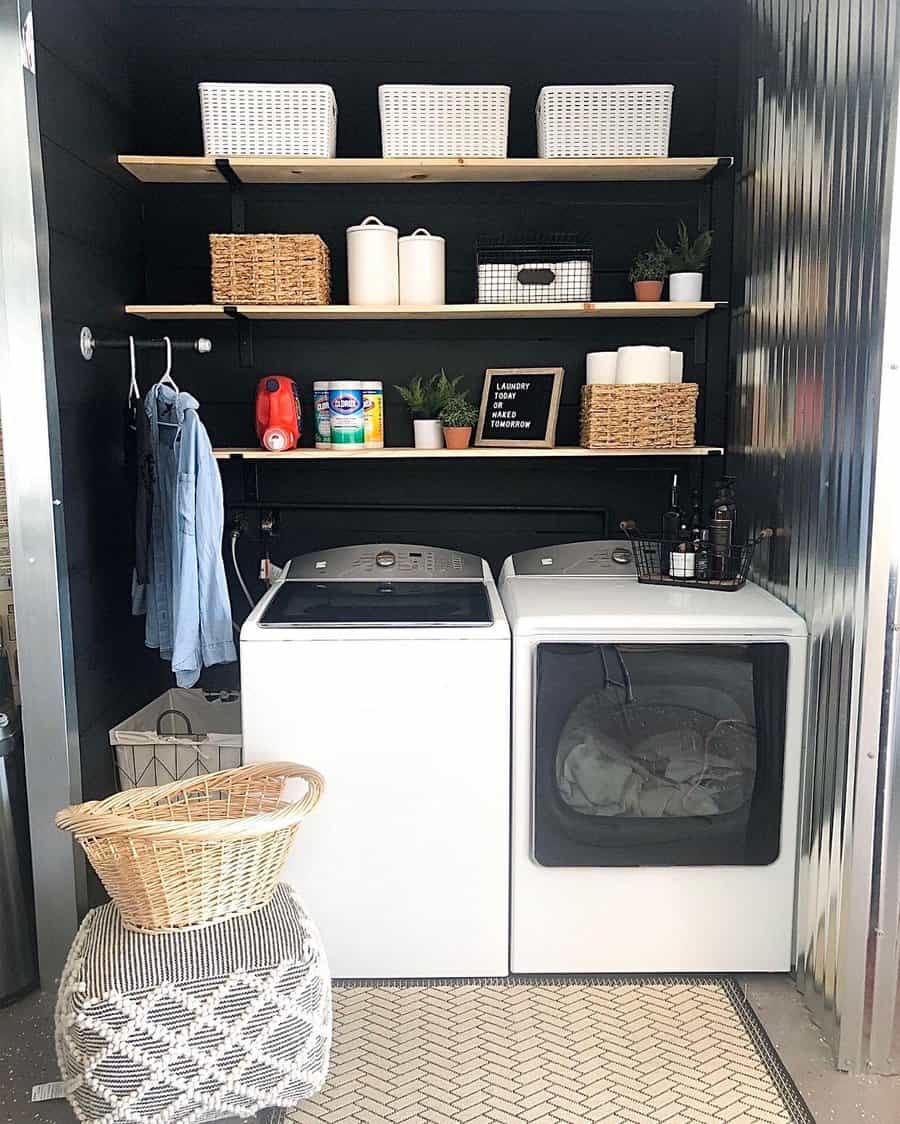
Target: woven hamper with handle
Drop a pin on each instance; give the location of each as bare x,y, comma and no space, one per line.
645,416
270,269
195,851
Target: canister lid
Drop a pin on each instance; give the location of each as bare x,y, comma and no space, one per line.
372,222
422,235
372,385
345,384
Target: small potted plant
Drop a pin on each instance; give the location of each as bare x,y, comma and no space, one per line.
458,417
425,398
685,263
648,273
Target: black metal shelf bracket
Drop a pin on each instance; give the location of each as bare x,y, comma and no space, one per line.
236,187
244,333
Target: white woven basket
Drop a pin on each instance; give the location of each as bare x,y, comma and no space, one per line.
443,120
597,121
267,119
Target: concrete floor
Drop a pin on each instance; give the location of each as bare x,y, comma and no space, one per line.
27,1058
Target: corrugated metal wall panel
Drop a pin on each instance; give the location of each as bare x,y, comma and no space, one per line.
819,81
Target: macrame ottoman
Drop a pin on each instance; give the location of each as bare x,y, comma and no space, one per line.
175,1028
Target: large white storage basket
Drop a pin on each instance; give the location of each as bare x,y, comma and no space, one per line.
444,120
597,121
183,733
267,119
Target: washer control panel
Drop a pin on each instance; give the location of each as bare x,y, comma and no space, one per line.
386,561
605,558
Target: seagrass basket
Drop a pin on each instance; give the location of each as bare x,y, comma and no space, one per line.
270,269
644,416
196,851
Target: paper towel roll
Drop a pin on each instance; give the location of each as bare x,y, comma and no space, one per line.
642,364
676,366
601,367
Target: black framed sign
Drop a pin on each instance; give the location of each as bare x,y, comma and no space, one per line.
519,406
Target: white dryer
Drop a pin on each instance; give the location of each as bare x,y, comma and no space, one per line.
657,742
387,669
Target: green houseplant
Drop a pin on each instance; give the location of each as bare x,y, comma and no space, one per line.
458,417
685,262
425,398
647,274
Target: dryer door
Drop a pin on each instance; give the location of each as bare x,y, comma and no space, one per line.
659,754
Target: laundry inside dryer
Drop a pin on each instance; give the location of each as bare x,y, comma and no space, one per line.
658,754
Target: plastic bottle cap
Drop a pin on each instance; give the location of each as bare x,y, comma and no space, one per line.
275,440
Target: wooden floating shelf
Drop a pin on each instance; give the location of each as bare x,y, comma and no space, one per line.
283,169
406,453
618,309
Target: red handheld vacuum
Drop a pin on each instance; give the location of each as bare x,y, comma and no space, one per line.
279,420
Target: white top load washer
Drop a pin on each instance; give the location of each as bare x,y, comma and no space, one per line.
387,668
657,738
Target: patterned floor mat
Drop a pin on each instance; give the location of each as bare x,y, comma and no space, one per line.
566,1051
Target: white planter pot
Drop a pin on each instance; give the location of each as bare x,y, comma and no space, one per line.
685,286
428,434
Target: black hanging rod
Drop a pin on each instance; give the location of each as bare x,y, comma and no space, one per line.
89,344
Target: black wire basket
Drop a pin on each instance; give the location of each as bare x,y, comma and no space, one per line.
659,561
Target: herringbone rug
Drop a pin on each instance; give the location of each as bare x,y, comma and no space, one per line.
560,1051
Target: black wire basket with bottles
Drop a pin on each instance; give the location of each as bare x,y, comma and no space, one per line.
701,564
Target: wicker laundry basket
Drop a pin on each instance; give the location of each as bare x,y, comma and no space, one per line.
195,851
270,269
645,416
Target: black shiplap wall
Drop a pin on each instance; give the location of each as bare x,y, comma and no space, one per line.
95,245
489,507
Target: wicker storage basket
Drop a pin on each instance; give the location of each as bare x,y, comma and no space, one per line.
268,119
651,416
196,851
443,120
597,121
270,269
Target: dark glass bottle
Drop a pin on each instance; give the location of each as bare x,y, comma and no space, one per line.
696,524
721,527
671,520
671,523
703,568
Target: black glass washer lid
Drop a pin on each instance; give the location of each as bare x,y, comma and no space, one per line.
374,604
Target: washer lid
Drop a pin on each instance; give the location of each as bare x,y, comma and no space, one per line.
373,604
392,562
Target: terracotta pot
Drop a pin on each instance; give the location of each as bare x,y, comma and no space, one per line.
648,290
457,436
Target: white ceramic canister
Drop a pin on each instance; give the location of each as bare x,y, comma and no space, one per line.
601,368
347,416
422,269
322,415
373,271
642,364
373,414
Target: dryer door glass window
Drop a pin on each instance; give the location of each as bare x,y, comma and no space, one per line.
659,754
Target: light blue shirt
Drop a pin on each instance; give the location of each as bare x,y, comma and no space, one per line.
186,596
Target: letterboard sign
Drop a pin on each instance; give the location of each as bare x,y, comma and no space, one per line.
519,407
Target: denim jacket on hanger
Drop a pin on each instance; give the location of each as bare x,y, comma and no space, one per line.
185,596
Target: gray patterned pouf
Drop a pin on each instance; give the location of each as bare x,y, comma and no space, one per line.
173,1028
